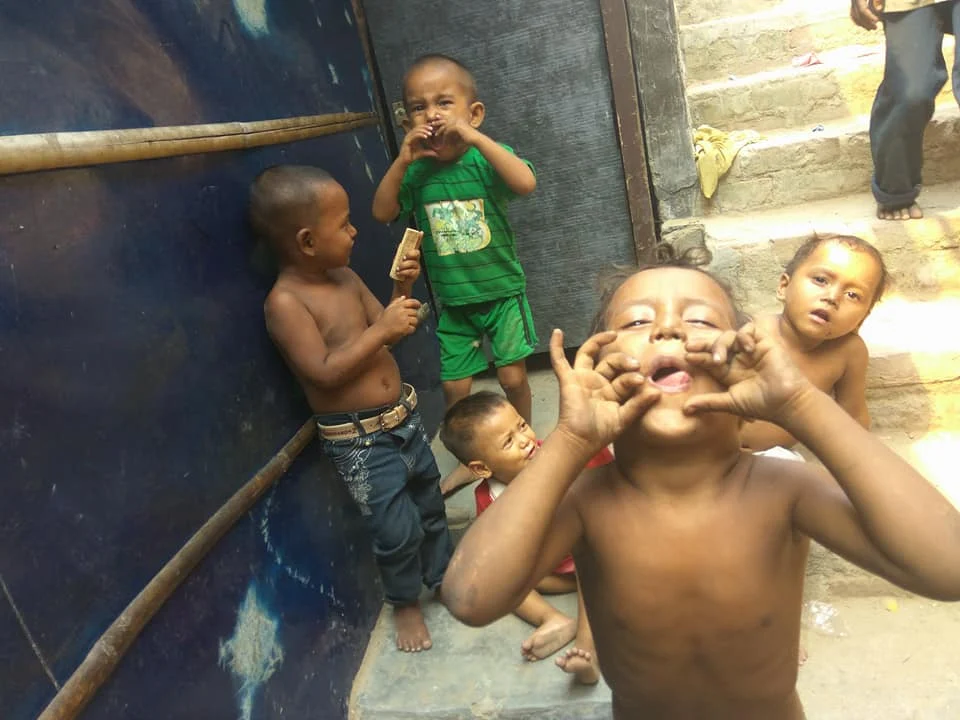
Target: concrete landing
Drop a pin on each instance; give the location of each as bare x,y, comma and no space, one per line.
882,658
469,673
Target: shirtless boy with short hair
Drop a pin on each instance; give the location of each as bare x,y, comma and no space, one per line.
487,434
827,289
691,553
334,335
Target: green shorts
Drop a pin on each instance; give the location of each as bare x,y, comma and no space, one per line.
461,329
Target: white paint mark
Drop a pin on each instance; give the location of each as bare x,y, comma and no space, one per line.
253,15
253,654
16,290
346,14
333,74
319,22
293,572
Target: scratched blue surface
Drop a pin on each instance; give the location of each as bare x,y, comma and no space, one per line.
137,63
139,389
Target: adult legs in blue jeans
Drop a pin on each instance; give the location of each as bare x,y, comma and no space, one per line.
914,73
394,480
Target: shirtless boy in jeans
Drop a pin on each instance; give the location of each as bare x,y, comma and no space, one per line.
334,335
691,553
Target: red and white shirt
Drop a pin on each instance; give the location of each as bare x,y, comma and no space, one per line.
489,490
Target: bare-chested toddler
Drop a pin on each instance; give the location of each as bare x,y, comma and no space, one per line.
827,289
335,336
490,438
691,552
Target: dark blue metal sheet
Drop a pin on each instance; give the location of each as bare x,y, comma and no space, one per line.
138,63
139,389
25,685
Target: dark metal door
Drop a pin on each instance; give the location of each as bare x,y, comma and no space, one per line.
542,71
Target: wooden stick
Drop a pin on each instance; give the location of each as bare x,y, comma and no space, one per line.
48,151
107,651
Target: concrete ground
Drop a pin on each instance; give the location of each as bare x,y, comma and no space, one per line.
881,657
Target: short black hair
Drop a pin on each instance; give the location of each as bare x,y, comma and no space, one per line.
280,197
466,77
663,255
853,242
458,431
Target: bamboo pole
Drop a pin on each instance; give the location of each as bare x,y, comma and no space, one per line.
48,151
117,639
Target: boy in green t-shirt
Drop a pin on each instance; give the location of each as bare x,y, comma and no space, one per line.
458,181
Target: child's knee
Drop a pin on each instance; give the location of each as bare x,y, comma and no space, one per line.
513,378
396,540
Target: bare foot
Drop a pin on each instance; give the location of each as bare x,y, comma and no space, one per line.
907,213
412,633
803,655
556,632
457,480
581,664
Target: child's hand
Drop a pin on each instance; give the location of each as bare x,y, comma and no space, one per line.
598,400
409,268
415,145
399,319
760,377
454,129
864,13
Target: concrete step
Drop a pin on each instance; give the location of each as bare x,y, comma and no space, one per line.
693,12
913,380
802,166
750,249
935,455
843,86
743,45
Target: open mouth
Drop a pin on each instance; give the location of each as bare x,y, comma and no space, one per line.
670,376
819,315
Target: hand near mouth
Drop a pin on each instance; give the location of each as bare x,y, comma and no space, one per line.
454,130
598,400
762,381
416,144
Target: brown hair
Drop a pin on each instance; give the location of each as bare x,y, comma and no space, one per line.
466,77
280,197
458,431
851,241
664,255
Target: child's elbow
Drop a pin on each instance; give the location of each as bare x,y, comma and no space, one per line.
527,185
466,603
382,215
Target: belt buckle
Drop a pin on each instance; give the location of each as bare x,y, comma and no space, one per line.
384,420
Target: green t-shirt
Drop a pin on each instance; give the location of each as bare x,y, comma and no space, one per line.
468,245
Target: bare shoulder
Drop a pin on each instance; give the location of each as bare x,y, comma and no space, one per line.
783,476
854,349
591,485
282,300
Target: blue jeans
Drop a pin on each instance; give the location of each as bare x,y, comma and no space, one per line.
393,478
913,75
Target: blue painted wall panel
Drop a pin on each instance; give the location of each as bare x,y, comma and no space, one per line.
139,389
137,63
